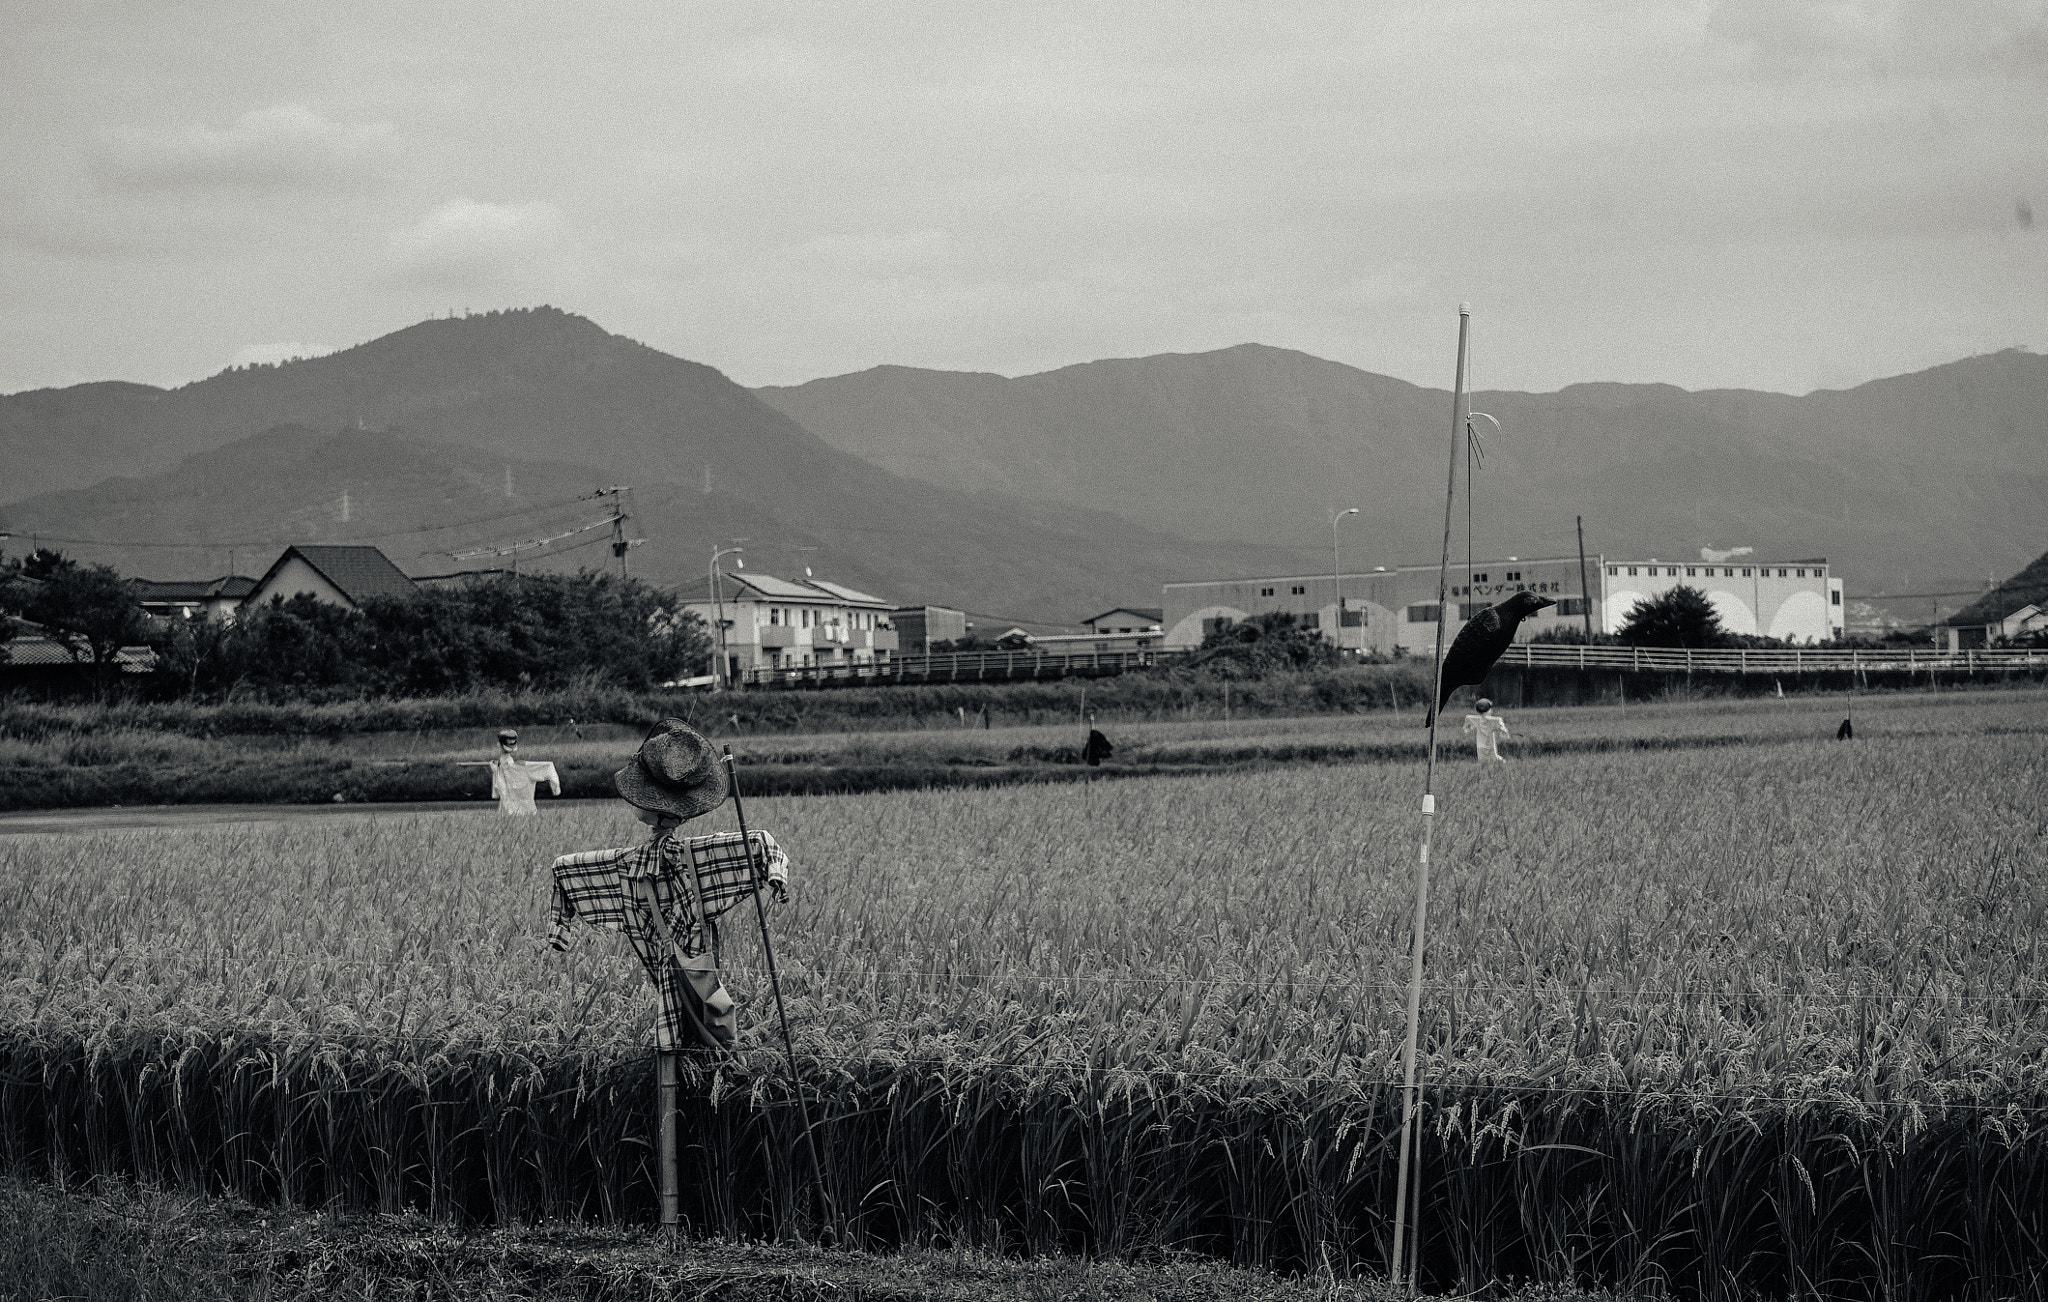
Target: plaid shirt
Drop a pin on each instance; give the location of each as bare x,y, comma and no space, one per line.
598,886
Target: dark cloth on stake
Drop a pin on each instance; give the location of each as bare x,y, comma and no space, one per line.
1097,749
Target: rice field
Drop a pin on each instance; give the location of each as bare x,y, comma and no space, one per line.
1735,1019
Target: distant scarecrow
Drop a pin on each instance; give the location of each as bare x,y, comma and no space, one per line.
666,895
1488,731
513,779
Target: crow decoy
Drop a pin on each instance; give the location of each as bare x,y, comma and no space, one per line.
1485,636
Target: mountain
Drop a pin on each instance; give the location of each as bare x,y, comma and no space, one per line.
423,427
1905,483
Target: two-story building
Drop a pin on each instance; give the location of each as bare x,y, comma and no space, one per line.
1127,628
772,623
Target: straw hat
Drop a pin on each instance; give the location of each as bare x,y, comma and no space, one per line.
676,772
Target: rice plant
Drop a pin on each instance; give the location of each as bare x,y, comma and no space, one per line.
1716,1021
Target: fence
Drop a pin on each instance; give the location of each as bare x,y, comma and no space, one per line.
1771,660
1027,665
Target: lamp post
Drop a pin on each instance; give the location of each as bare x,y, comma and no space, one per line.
1337,576
718,606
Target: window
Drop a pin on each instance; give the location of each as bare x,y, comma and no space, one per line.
1513,575
1693,571
1671,571
1216,625
1353,619
1781,572
1631,571
1835,597
1727,571
1265,592
1745,571
1479,578
1422,614
1613,571
1802,572
1568,606
1297,590
1311,621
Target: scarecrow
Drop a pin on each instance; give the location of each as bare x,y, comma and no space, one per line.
513,779
1488,731
666,895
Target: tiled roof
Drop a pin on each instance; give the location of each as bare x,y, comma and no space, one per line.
359,571
1149,612
32,646
232,587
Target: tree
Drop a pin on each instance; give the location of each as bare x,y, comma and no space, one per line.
1682,617
1264,644
89,610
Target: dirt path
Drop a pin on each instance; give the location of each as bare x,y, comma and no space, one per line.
143,817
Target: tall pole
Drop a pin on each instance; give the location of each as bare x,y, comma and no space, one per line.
1585,592
758,874
1409,1149
1337,577
723,674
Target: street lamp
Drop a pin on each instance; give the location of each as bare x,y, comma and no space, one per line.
1337,575
718,605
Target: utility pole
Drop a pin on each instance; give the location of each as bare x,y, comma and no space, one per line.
1585,592
620,543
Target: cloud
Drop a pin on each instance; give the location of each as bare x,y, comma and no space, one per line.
288,146
1886,36
464,244
273,353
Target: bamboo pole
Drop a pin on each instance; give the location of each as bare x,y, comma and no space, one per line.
1409,1149
796,1082
665,1093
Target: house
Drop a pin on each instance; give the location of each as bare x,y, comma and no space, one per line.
340,576
38,662
2010,610
194,598
764,622
1126,619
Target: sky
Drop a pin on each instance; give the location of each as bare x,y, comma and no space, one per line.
1708,193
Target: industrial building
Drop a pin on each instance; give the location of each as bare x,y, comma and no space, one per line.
1794,601
1394,611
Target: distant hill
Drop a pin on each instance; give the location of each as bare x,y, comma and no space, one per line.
421,426
2027,588
1907,483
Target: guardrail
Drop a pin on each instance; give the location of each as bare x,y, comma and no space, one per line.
984,666
1772,660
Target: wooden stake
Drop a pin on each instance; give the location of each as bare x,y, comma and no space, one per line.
1409,1147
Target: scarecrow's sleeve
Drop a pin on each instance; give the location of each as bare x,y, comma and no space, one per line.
774,860
586,886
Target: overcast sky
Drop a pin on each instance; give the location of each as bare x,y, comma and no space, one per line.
1748,193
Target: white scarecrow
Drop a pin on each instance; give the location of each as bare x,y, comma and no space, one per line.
1488,731
513,780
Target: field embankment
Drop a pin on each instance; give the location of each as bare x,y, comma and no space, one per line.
1767,1019
69,759
119,1242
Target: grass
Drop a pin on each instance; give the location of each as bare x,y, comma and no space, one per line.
1719,1019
